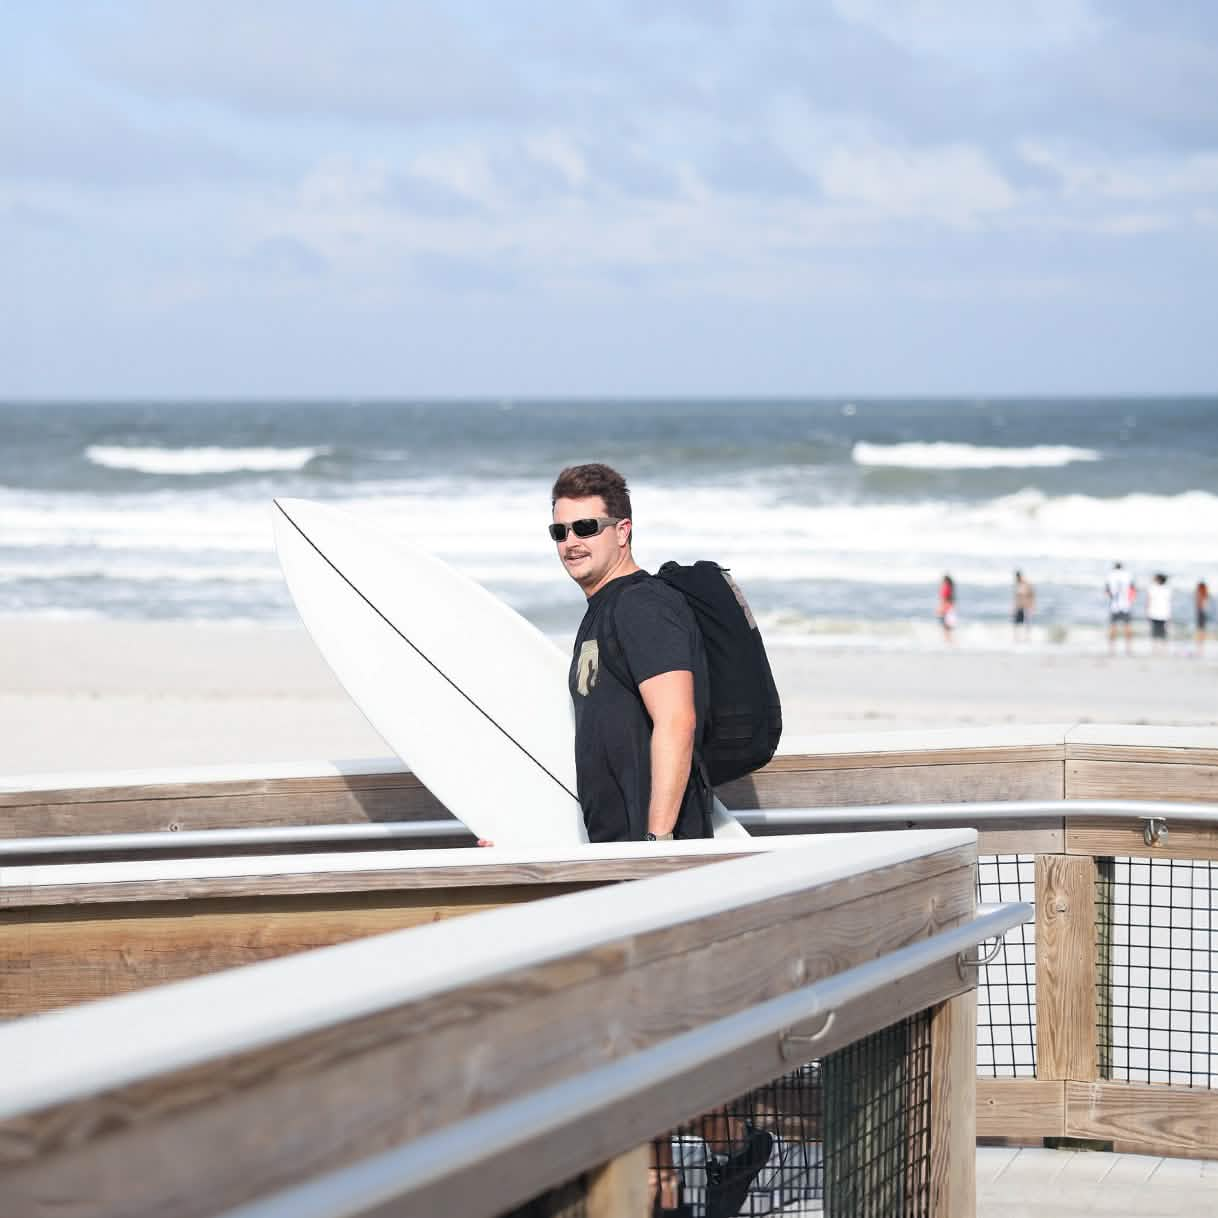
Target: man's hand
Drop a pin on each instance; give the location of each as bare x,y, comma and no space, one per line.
669,699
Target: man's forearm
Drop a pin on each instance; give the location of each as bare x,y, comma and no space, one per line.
672,751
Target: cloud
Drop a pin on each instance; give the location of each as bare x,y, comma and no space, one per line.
384,61
98,147
953,185
452,273
969,28
36,218
558,151
285,258
1101,179
652,159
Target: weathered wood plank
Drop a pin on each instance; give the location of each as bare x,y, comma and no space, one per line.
1195,744
1122,837
263,876
666,1106
54,957
877,758
883,784
620,1188
1065,967
216,1135
1141,780
1023,1109
1040,836
953,1107
205,784
1144,1118
1022,837
170,809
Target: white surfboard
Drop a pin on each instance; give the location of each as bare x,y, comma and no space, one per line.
465,691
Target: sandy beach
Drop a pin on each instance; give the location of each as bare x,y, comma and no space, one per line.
94,695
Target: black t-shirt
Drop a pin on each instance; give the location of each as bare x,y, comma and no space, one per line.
658,633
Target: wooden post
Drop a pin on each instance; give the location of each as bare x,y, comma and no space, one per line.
953,1107
1065,968
621,1188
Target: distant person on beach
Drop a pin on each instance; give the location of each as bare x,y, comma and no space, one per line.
1158,610
1201,603
1121,592
635,769
946,611
1024,605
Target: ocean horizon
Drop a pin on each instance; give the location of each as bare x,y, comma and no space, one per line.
838,516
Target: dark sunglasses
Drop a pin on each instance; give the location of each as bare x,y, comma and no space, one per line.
588,527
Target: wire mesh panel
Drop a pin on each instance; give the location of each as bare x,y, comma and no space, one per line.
1157,994
846,1136
877,1125
1006,987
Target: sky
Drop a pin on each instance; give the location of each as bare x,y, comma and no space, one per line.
615,197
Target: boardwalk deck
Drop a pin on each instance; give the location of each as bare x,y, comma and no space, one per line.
1038,1183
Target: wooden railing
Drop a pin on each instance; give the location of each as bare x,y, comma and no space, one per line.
465,1066
274,908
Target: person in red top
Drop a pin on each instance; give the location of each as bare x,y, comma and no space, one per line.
946,611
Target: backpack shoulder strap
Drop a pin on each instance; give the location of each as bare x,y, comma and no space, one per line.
612,656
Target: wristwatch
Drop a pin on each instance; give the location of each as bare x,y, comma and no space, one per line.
658,837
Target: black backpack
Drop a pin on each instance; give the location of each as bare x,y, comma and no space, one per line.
744,722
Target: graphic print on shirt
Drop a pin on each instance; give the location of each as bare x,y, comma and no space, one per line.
589,668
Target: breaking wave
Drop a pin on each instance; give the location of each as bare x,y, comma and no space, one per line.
195,461
943,455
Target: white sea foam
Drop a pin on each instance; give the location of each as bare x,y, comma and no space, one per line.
944,455
156,573
193,461
496,529
801,557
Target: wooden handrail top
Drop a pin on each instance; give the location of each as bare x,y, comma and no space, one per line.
182,1024
465,1145
1012,736
54,883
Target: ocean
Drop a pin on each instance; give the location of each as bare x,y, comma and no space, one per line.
837,516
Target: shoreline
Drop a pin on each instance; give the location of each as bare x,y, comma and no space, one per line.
116,695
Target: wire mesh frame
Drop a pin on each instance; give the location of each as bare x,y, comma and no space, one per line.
847,1136
1157,991
1006,987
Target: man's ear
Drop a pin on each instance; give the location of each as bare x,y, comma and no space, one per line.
628,526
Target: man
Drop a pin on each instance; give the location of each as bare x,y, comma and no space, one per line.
638,673
1025,603
639,685
1121,592
1158,611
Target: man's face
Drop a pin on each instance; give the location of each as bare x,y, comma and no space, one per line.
589,559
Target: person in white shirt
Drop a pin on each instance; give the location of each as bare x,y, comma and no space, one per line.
1158,610
1121,592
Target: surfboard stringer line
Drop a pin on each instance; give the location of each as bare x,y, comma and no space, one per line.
421,654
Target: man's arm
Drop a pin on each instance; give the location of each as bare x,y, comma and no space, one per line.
669,699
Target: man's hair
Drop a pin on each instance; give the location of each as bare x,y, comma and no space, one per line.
584,481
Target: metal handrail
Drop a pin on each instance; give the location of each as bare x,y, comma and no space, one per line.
1016,809
278,835
427,1160
1153,814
